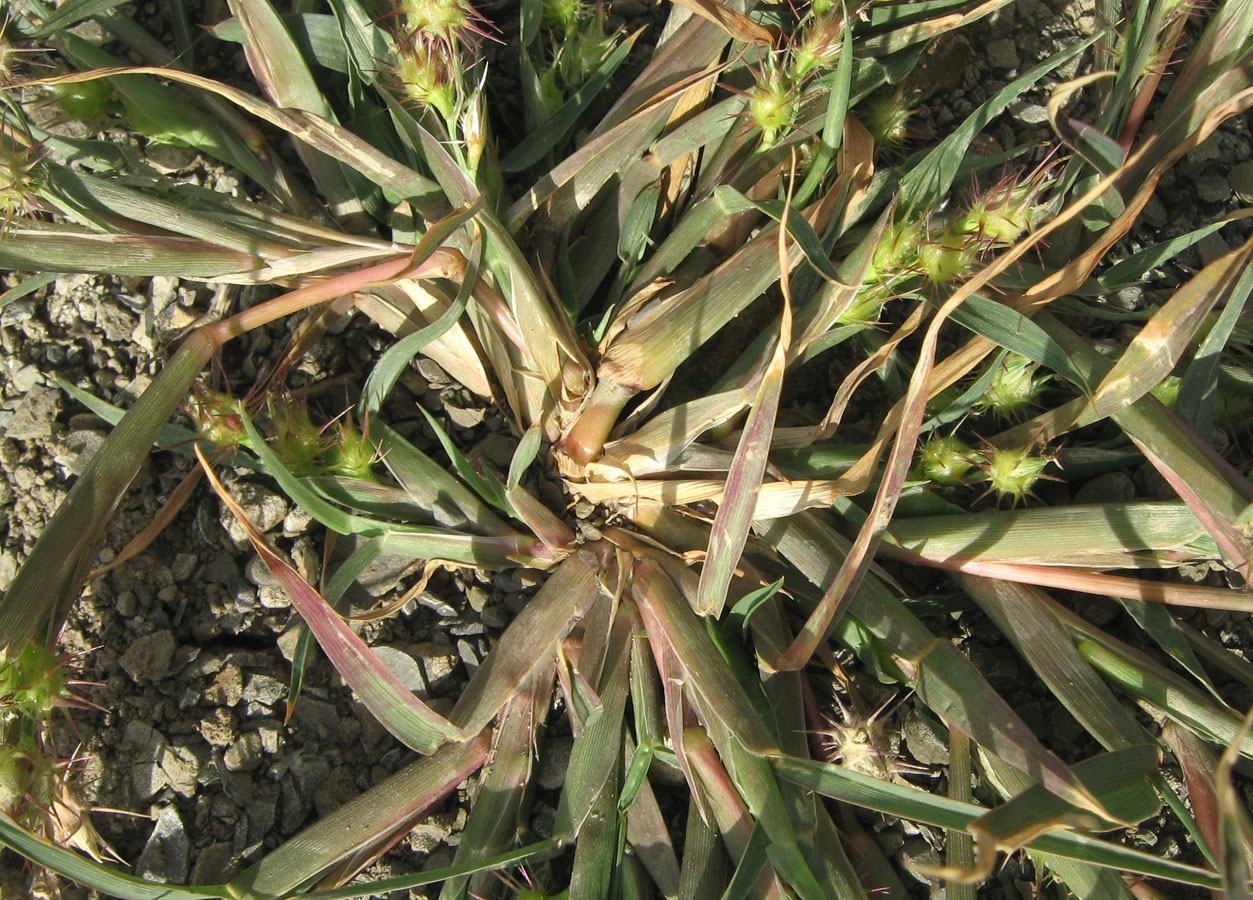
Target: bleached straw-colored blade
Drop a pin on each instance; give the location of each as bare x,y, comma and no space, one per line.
309,128
657,446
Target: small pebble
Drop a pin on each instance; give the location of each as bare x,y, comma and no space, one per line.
1213,189
148,658
1031,114
1241,180
1211,247
164,857
1002,54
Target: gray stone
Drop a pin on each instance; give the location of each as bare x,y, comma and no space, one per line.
259,573
293,808
127,604
1213,189
1030,113
1241,180
554,761
1002,54
431,371
8,569
469,658
478,598
271,596
227,687
164,857
498,449
35,413
296,522
437,604
215,864
1112,487
337,788
926,739
17,312
316,716
309,772
244,754
426,836
264,508
181,767
288,641
404,665
25,378
1154,214
262,812
1211,247
1129,298
218,728
270,731
495,616
148,658
920,859
263,689
439,663
117,323
169,158
145,747
465,418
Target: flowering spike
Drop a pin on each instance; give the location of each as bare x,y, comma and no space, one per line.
1012,472
1014,387
946,460
947,257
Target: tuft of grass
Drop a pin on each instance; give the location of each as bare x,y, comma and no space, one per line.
582,256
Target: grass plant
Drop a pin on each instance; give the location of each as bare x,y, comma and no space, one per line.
578,259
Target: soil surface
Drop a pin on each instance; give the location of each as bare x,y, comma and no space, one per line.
187,645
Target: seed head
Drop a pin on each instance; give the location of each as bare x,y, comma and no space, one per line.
865,743
946,257
1014,387
351,454
946,460
1012,472
771,106
447,20
218,418
32,682
19,181
298,442
1003,213
895,251
563,15
818,48
430,77
886,115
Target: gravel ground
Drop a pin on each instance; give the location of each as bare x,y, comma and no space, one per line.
188,644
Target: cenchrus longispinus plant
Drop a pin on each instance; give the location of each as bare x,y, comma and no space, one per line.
578,252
